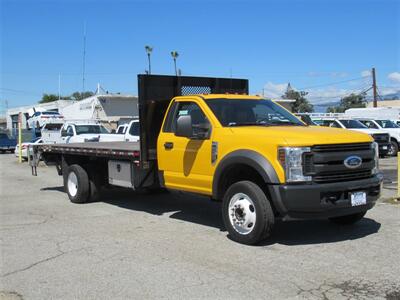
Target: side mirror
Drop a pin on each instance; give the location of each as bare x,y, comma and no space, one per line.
184,126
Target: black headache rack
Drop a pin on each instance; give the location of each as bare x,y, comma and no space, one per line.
156,92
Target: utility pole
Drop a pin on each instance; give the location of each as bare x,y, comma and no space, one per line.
84,57
374,88
59,86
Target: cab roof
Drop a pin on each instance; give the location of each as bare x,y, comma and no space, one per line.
222,96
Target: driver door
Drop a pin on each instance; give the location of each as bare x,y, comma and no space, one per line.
185,162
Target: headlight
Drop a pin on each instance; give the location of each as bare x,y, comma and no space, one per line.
375,147
291,159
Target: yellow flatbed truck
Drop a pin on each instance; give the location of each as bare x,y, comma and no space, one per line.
207,136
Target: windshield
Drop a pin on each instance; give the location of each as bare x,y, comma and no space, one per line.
82,129
251,113
386,124
3,136
352,124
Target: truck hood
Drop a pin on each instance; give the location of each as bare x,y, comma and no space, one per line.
301,135
394,132
368,130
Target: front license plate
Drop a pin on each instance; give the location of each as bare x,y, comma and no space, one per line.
384,147
358,198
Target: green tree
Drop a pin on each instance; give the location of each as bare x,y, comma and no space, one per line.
334,109
79,96
351,101
48,98
301,105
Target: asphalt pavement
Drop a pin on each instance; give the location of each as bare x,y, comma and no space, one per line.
174,246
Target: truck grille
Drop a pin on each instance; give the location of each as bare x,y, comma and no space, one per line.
325,163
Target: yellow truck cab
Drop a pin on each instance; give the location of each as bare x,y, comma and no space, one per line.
256,157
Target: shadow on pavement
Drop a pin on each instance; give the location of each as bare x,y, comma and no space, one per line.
200,210
306,232
53,188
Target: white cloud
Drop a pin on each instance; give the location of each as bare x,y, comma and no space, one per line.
366,73
274,90
316,95
395,77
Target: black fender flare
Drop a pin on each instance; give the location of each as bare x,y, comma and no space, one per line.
247,157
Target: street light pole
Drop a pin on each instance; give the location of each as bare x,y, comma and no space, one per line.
148,51
175,55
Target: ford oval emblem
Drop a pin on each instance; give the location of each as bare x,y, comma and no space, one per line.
352,162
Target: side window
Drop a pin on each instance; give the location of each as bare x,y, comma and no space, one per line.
192,109
70,131
335,125
134,130
64,131
372,125
170,116
327,123
121,130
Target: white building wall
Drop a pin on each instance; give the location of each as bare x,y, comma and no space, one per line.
108,108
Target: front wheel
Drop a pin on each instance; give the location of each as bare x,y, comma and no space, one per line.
349,219
247,213
393,148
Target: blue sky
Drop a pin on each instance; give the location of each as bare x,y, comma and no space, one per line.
310,44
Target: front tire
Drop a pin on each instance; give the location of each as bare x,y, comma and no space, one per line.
247,213
77,184
393,148
349,219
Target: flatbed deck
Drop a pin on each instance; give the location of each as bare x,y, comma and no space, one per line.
118,149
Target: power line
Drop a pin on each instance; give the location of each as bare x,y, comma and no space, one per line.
20,91
332,83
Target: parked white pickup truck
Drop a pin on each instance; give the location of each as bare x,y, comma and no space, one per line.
78,132
130,133
380,136
387,126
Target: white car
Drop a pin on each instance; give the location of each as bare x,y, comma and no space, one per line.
387,126
25,147
40,118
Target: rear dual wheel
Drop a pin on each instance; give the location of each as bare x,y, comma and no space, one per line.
247,213
79,186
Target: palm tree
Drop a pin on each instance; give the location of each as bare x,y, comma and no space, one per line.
148,51
175,55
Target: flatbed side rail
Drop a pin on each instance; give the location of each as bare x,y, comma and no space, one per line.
90,151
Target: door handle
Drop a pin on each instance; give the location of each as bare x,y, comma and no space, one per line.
168,145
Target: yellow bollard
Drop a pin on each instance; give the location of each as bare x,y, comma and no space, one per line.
19,140
398,174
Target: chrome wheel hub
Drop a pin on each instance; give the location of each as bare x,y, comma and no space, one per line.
242,213
72,184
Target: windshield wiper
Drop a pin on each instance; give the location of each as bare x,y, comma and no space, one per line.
233,124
